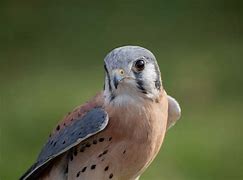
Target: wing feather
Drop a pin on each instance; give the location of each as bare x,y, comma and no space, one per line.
174,112
64,139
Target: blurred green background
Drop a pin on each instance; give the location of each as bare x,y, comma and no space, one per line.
51,60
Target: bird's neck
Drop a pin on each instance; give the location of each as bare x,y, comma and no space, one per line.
139,118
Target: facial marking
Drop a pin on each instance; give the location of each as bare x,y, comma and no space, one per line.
158,80
109,79
139,81
116,82
131,71
111,94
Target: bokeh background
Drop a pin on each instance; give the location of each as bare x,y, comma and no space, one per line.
51,60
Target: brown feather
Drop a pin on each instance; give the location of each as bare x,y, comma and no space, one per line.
123,150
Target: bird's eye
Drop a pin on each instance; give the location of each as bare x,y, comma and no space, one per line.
139,65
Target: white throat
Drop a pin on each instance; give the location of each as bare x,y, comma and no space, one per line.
128,94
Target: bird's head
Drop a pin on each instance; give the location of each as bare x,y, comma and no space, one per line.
132,73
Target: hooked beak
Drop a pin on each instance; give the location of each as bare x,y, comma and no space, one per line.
119,75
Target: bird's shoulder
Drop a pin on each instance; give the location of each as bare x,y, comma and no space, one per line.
77,113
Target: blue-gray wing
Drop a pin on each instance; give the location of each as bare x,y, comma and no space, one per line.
91,123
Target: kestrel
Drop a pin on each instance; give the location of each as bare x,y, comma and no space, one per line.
119,132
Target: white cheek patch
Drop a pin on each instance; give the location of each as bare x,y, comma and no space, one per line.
149,74
149,77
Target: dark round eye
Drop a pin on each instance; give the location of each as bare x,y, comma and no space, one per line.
139,65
